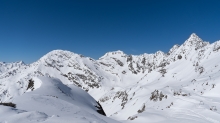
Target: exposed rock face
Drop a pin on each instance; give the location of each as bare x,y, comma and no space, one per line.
9,104
100,109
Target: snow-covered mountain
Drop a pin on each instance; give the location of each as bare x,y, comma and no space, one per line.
10,66
181,85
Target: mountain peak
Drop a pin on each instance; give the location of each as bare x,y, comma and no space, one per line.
117,52
193,40
21,62
113,53
193,36
58,54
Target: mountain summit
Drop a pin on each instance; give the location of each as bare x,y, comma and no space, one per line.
193,40
194,37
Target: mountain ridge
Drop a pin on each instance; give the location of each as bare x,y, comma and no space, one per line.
129,86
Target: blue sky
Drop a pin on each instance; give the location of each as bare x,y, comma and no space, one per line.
31,28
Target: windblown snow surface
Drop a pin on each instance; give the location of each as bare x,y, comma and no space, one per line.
181,86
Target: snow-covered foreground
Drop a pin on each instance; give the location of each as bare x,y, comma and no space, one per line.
182,85
53,102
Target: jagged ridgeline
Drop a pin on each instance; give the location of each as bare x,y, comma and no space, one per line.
132,87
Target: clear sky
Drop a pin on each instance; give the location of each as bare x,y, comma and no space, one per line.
31,28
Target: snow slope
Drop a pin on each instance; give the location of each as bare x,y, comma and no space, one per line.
53,102
181,85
